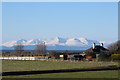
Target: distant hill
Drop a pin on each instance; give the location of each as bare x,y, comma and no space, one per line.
55,44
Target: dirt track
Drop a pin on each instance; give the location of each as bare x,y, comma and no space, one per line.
61,70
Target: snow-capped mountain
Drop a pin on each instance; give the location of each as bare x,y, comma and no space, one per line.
56,41
55,44
74,42
33,42
22,41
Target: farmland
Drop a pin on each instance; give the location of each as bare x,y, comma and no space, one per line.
17,65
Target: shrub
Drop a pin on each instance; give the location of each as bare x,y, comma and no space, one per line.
54,54
115,57
104,57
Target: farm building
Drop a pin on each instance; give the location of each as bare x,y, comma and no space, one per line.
95,51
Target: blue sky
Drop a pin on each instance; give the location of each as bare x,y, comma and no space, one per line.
31,20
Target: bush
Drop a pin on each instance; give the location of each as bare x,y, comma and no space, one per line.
115,57
54,54
104,57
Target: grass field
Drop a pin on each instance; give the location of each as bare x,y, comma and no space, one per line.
16,65
90,74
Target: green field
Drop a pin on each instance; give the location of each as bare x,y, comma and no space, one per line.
90,74
16,65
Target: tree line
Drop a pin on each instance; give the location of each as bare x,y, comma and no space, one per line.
39,50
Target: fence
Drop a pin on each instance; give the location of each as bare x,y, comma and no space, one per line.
24,58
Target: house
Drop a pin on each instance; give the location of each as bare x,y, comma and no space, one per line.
95,51
99,48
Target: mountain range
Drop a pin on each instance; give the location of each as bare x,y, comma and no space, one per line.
57,43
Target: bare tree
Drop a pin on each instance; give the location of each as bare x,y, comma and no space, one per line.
114,48
41,49
19,48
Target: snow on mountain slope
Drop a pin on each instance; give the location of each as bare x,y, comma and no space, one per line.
9,44
21,41
106,43
33,42
74,42
58,42
12,43
88,42
83,40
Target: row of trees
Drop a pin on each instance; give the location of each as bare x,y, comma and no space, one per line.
39,50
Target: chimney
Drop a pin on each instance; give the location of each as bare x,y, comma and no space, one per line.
101,44
93,45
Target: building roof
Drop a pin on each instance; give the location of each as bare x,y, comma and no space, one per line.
97,48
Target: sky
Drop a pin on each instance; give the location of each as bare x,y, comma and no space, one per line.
46,20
